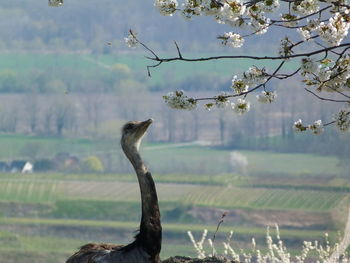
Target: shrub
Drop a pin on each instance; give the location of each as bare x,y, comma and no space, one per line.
93,164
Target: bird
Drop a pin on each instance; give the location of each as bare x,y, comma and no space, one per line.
146,246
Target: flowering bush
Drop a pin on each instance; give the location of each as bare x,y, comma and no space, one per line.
276,250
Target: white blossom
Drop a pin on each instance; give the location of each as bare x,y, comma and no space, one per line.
342,120
239,22
313,24
317,127
166,7
267,96
305,33
255,76
191,8
308,65
210,8
306,7
231,10
285,48
131,40
335,77
269,6
298,126
239,85
343,72
55,3
222,101
178,100
324,74
335,30
259,23
241,106
232,39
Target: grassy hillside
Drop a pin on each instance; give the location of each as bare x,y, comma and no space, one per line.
91,66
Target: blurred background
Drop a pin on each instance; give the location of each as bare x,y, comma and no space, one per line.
67,85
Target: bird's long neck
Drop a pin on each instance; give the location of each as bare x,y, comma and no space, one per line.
150,235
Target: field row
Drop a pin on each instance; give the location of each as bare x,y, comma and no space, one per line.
219,196
265,198
174,228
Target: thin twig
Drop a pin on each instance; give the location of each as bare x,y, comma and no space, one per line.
325,99
178,49
303,17
217,229
249,91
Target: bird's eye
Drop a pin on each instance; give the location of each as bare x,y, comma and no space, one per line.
129,126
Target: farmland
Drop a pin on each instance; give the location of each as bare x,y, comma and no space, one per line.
48,215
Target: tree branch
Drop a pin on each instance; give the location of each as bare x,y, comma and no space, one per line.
307,54
325,99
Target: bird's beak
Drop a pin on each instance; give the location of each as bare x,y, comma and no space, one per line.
143,126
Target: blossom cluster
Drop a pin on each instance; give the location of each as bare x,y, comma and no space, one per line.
222,101
305,7
335,30
327,75
255,76
178,100
234,13
239,86
131,40
166,7
252,77
253,17
342,120
238,14
316,128
267,96
232,39
241,106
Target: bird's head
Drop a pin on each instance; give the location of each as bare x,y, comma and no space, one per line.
132,134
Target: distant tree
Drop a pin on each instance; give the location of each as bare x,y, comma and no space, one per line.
9,117
93,107
30,102
93,164
64,114
9,81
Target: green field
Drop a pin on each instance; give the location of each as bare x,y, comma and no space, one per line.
192,159
90,65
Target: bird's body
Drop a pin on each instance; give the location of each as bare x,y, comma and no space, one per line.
107,253
147,244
